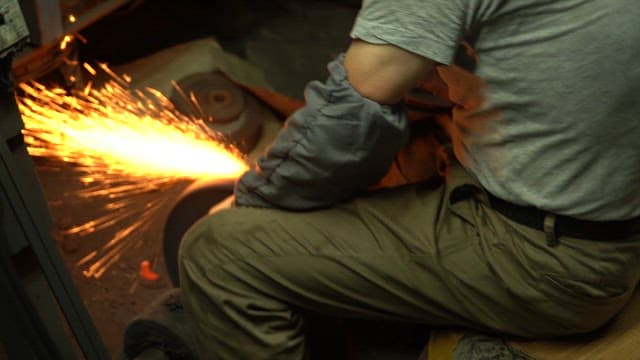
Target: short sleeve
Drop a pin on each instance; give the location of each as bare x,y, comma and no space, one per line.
432,29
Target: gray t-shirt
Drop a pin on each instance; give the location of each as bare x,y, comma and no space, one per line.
548,114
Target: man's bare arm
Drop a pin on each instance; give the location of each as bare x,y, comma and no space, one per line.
384,73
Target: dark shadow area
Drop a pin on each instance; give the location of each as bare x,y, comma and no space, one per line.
290,41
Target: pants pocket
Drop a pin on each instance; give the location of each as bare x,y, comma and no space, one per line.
578,291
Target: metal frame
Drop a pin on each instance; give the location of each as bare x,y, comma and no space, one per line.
47,24
34,283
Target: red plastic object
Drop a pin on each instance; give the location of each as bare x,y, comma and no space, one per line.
146,273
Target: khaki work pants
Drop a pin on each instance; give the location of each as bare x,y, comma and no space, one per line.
430,253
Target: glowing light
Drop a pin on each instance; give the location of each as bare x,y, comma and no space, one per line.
134,150
123,132
71,18
89,69
65,41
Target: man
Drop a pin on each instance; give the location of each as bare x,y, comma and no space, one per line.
536,233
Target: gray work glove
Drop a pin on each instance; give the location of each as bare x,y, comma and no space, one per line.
339,144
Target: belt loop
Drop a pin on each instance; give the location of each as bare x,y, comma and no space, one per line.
549,227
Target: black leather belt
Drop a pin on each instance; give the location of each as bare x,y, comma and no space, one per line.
567,226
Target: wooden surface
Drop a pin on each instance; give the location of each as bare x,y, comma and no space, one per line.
620,340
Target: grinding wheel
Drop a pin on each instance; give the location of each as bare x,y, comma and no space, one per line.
193,204
223,105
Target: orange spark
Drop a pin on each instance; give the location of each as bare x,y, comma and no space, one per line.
113,129
134,149
65,41
89,68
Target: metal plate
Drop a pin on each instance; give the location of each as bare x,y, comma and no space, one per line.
225,107
13,28
217,99
193,204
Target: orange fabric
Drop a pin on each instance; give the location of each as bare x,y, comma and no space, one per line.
282,104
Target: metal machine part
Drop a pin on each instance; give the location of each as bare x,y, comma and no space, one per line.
41,311
42,314
224,106
193,204
13,28
48,21
219,100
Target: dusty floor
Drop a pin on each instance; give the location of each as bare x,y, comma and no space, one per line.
289,41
